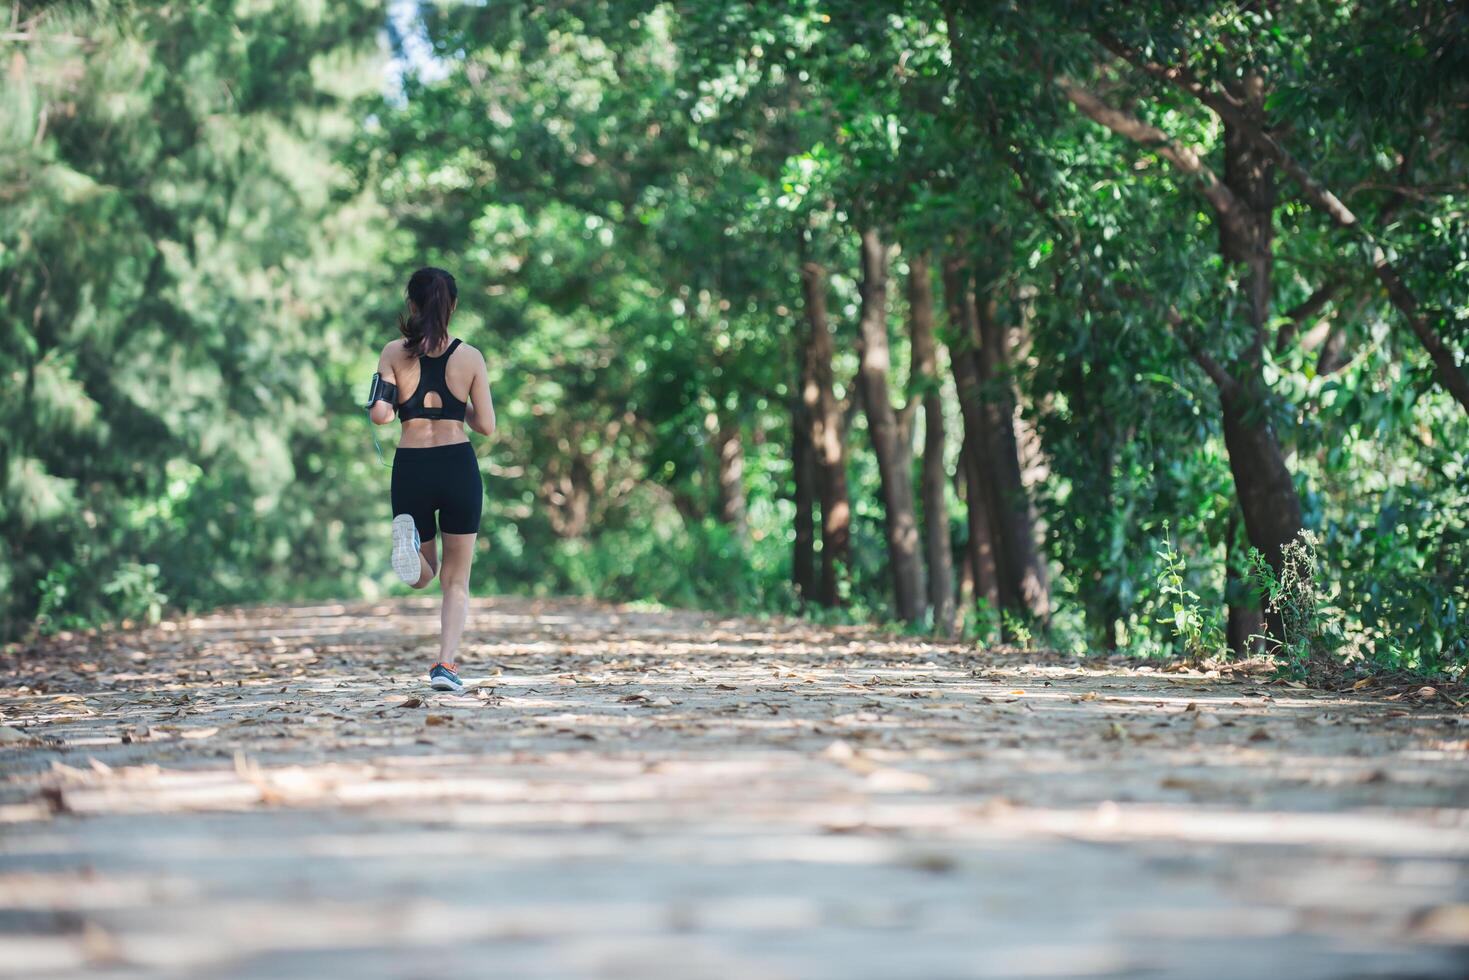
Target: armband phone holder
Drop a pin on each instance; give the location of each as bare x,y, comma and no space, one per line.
381,391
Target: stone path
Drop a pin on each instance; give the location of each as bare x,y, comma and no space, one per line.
273,792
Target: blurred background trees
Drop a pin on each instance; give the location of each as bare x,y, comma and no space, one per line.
931,312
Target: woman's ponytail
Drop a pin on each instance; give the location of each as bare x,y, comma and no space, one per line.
432,293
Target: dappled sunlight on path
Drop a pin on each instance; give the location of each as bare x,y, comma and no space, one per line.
273,791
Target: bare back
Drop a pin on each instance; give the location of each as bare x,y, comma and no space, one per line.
464,375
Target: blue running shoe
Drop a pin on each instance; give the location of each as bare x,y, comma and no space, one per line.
406,560
445,677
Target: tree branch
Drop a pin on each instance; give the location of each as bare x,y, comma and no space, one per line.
1227,385
1221,102
1450,373
1303,311
1228,207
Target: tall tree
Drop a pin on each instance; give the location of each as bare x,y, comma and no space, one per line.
934,478
1243,203
980,547
890,441
828,434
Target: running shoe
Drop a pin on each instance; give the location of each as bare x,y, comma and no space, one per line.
406,560
445,677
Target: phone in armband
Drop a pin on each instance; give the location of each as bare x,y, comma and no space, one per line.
382,391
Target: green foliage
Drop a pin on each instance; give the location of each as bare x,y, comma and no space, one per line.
1196,627
1296,593
207,211
178,250
75,596
705,567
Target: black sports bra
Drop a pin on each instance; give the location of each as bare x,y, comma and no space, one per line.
431,378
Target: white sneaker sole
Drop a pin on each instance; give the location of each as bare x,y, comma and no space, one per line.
406,560
444,684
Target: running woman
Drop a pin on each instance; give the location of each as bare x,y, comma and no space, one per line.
442,385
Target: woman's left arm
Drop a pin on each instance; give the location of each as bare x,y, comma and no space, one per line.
381,412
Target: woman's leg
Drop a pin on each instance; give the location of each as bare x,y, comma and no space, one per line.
454,581
428,556
413,496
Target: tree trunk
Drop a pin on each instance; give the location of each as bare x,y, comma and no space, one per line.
827,438
1262,481
1245,616
988,407
894,458
1024,565
803,475
1267,494
933,479
980,549
731,450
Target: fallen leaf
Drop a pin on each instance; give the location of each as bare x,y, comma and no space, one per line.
932,862
1445,924
55,799
897,781
1178,782
1364,682
839,750
436,719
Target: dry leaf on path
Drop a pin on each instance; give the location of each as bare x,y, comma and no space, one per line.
839,750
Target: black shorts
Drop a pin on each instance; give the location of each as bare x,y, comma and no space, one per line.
442,479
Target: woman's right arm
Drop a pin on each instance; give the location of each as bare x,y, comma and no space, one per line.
381,412
481,414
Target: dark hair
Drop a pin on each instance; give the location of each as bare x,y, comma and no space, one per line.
432,293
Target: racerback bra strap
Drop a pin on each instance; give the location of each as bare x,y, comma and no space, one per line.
432,377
